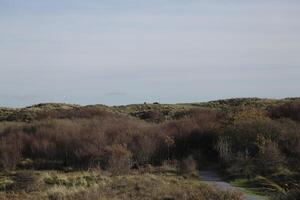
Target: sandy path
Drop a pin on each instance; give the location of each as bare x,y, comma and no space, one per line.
211,178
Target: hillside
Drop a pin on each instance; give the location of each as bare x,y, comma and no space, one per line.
130,152
149,112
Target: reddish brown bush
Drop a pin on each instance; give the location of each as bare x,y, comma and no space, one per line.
10,151
89,136
269,157
288,110
118,159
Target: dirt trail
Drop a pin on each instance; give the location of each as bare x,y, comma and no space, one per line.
211,178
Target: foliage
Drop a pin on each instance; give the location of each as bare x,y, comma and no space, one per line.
247,138
118,159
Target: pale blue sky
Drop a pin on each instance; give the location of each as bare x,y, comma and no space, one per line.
131,51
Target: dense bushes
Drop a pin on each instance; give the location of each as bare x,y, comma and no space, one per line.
85,142
287,110
10,151
118,159
77,142
269,158
246,141
53,111
196,132
261,145
106,140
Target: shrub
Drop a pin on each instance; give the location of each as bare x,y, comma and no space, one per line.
118,159
293,194
188,166
287,110
223,147
10,151
243,165
269,157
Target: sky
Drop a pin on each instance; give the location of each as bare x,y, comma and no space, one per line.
131,51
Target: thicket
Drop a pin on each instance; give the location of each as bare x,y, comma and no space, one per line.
287,110
245,141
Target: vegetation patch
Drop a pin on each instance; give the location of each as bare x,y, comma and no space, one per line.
257,140
258,186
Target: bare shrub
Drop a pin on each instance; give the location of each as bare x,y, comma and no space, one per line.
144,143
287,110
118,159
243,165
224,149
187,166
10,151
269,157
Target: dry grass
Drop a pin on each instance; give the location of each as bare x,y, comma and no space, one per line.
96,185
